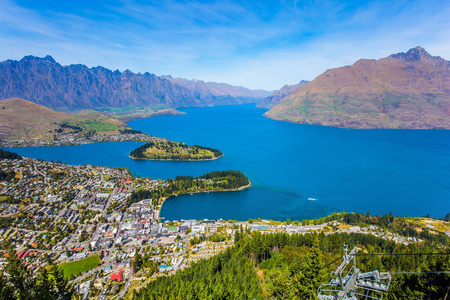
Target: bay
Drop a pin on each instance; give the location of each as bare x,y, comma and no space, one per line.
406,172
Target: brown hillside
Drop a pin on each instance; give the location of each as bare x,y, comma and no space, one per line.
23,120
405,90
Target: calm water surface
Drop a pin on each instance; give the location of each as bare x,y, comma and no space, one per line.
406,172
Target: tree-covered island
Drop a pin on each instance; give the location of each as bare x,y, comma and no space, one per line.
167,150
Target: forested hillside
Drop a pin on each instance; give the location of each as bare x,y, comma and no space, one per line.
280,266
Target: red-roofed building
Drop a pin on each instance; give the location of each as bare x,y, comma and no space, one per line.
117,276
24,255
78,249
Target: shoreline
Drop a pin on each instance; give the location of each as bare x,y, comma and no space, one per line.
227,190
169,159
104,138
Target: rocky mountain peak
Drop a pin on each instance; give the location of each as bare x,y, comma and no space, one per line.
50,59
405,90
30,58
74,87
414,54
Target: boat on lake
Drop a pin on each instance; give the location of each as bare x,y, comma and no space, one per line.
312,199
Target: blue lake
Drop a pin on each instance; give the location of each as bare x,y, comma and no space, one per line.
406,172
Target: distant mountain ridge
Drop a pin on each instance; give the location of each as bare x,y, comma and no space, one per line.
206,90
75,87
278,95
406,90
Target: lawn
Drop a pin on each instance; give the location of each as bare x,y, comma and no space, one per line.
80,266
102,126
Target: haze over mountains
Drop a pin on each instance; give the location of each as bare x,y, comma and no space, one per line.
75,87
278,95
405,90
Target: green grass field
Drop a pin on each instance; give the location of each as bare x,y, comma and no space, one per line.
103,126
80,266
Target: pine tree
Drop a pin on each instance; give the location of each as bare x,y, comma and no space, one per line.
6,290
137,261
22,284
447,217
278,284
44,286
64,290
21,279
308,274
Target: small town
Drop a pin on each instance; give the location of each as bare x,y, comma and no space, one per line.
72,139
79,218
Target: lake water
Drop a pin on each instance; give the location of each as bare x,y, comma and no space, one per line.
406,172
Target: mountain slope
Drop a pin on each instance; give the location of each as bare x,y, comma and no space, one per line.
23,120
278,95
46,82
404,90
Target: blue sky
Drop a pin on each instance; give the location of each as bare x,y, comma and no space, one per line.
256,44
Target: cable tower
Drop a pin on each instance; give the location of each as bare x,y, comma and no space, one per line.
348,283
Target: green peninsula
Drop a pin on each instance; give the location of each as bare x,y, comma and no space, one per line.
217,181
167,150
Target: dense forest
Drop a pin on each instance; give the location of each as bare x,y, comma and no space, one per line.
4,154
7,175
214,181
167,150
280,266
22,284
129,131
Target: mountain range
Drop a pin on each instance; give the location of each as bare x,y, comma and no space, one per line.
406,90
278,95
76,87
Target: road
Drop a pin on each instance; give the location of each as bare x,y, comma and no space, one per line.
130,188
43,175
125,288
109,202
18,212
